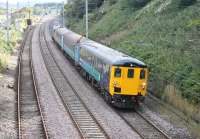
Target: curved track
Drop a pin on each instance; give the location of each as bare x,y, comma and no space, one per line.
85,122
140,124
31,123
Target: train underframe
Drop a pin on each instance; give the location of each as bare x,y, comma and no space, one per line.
123,101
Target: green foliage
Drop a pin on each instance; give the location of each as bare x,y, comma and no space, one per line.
6,50
187,2
111,2
193,93
160,34
94,4
137,3
76,8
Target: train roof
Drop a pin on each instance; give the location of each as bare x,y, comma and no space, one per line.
71,38
106,54
111,56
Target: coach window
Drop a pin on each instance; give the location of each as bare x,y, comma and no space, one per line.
142,74
87,57
83,53
117,72
130,73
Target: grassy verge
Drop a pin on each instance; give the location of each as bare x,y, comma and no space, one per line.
6,50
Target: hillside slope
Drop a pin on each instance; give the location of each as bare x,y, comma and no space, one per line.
162,33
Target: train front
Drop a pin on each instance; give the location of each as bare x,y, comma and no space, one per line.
128,82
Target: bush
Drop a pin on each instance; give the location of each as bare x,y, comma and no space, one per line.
93,4
138,3
76,8
111,2
187,2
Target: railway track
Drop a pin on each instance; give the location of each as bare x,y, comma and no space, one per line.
85,122
31,123
140,124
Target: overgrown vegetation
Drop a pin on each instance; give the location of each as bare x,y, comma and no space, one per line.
14,36
137,3
6,50
164,34
187,2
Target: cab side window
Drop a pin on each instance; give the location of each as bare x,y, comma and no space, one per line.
117,72
130,73
142,74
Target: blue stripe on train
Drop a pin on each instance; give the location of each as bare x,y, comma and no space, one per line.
69,52
66,49
92,71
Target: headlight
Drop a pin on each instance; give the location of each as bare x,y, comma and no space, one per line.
143,85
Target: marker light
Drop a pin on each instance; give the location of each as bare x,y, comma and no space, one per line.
143,85
115,83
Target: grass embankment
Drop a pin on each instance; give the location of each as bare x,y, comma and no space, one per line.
163,34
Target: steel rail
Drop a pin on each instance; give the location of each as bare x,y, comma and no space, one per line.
34,84
37,95
140,115
153,125
18,83
78,100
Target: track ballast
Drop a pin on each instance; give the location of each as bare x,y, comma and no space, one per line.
85,122
30,118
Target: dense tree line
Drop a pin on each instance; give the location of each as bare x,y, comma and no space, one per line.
187,2
76,8
138,3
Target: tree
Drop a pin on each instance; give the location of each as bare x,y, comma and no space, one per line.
187,2
76,8
137,3
111,2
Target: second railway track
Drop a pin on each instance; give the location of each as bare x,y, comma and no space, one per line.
144,127
30,117
140,124
85,122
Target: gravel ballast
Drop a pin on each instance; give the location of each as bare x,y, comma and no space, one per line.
166,119
58,122
8,100
112,123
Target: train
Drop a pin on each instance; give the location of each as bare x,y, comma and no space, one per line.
122,80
